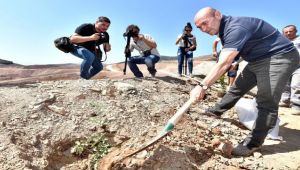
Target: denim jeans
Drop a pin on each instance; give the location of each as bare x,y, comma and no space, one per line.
91,65
291,93
270,76
149,60
189,56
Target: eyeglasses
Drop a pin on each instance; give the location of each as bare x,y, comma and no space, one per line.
188,30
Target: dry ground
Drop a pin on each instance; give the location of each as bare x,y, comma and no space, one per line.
38,130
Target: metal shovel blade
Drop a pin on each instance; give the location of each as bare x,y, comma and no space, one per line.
148,144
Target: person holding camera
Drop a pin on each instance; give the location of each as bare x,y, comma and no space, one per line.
146,46
86,40
186,45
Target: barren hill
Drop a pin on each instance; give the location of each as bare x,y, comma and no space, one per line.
48,124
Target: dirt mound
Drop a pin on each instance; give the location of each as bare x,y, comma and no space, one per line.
42,122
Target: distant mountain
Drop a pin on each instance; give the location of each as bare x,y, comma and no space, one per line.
163,57
5,62
202,58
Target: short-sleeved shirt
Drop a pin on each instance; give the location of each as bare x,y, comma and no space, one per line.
88,30
141,46
255,39
236,59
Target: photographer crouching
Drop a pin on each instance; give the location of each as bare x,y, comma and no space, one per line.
146,46
87,39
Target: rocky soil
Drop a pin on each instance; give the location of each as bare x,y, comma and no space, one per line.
41,122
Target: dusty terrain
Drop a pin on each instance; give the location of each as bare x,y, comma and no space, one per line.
44,110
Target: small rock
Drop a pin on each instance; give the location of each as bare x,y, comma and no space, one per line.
81,96
226,148
215,142
96,90
215,124
93,128
240,160
201,125
59,110
142,155
34,116
93,114
2,148
257,155
3,124
104,92
216,131
46,142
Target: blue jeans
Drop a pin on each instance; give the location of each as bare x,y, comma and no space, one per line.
91,65
189,57
270,76
149,60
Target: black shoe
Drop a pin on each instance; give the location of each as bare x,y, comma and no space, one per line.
211,113
153,74
242,150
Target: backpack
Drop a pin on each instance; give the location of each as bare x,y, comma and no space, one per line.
63,44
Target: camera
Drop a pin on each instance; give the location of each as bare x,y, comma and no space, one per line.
103,38
147,52
129,33
186,36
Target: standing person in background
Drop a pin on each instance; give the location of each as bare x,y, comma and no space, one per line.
146,46
186,45
232,71
86,40
291,94
271,57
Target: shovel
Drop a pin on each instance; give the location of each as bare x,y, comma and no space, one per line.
168,128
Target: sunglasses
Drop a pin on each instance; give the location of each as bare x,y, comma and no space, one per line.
188,30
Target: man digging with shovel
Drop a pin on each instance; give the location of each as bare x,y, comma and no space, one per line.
271,60
271,57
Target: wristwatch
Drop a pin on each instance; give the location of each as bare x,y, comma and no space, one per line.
204,87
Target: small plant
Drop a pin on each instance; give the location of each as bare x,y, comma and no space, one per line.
96,145
222,82
99,107
222,91
79,148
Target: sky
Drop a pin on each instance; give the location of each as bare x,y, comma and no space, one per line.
29,27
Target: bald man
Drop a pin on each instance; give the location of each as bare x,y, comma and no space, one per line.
271,59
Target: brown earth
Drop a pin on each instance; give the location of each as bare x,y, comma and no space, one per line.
44,110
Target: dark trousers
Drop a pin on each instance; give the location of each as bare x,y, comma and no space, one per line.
270,76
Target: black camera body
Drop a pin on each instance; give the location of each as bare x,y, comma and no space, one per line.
147,52
129,33
103,38
187,41
186,36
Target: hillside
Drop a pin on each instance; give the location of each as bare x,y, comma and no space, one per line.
45,123
14,74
